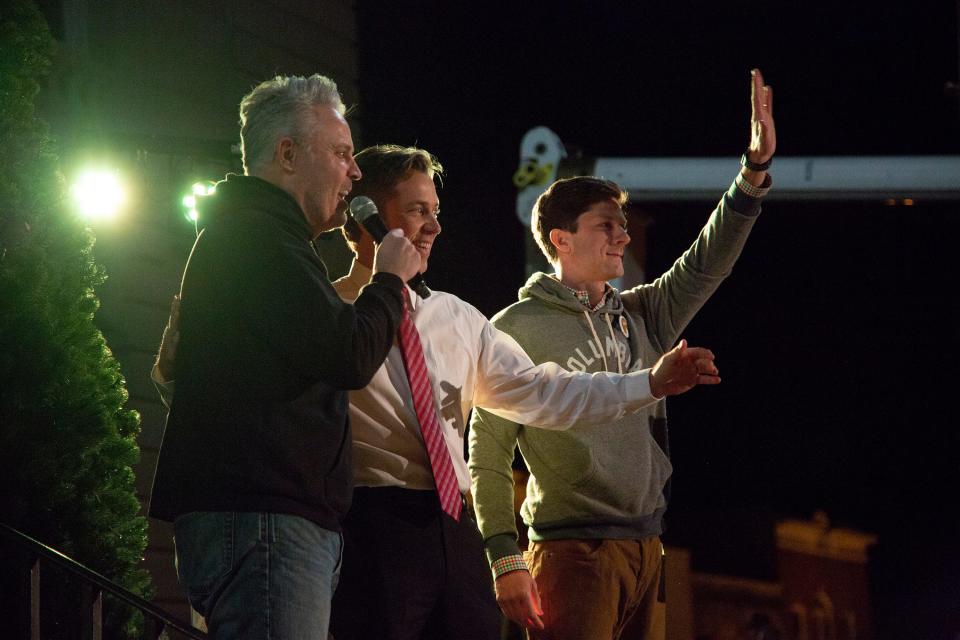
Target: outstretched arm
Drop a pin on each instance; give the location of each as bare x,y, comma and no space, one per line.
671,300
551,397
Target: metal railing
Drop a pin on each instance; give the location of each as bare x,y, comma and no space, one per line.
92,586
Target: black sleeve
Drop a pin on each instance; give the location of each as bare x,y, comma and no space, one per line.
301,315
277,321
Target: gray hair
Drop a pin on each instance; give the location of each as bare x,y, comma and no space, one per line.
280,107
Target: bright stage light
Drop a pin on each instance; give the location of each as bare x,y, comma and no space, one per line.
198,190
204,188
99,194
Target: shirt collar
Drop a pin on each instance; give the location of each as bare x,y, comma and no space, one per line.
583,296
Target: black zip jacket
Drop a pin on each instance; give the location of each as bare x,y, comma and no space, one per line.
267,353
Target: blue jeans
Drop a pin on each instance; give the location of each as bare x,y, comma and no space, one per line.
258,575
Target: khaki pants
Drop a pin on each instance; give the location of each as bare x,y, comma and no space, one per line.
599,589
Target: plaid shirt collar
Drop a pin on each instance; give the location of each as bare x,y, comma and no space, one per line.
583,296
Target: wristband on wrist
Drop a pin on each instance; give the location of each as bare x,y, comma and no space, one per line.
754,166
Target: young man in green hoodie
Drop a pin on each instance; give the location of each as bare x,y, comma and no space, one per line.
595,498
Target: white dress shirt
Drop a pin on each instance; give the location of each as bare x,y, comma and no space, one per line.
470,364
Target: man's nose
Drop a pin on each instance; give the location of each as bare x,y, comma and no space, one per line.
353,172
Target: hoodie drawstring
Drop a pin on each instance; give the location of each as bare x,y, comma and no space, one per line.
600,346
616,344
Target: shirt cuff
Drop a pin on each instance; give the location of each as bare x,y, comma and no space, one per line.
746,197
751,189
389,279
506,564
639,394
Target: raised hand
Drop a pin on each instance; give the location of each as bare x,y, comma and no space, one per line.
763,132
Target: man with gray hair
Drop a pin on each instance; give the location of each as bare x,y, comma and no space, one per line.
254,469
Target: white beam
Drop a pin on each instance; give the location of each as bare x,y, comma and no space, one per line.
803,178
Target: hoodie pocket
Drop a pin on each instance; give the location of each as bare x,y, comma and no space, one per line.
616,469
629,476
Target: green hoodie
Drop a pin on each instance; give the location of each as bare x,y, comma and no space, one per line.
608,480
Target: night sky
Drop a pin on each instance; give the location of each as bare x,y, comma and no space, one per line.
837,333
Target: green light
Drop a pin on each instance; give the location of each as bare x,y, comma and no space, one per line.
204,189
198,190
99,194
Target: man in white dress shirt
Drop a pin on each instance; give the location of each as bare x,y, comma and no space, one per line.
410,570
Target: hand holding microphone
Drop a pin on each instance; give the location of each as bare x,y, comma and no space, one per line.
395,254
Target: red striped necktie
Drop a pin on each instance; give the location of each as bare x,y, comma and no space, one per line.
443,474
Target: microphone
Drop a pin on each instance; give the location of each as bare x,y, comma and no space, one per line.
365,212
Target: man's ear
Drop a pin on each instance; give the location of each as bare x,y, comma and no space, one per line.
560,239
286,154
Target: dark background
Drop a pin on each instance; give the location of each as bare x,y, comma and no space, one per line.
837,334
